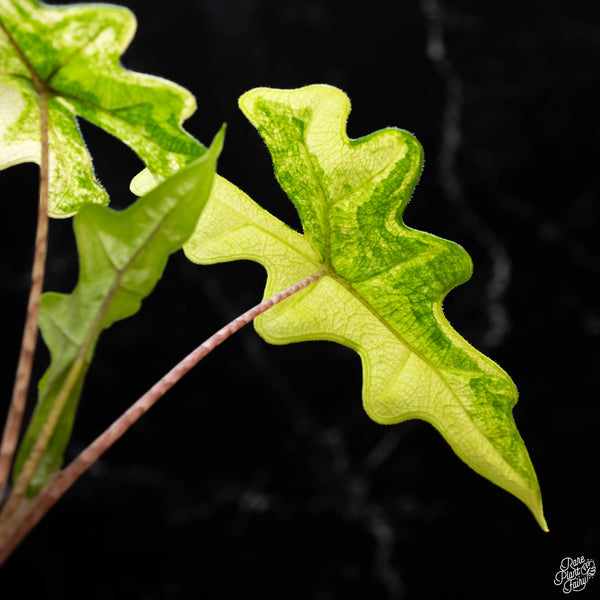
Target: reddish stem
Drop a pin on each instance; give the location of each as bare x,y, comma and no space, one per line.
14,419
31,512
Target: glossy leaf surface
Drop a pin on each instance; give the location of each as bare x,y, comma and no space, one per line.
383,292
72,54
122,257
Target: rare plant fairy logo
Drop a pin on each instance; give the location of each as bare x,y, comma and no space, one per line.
574,573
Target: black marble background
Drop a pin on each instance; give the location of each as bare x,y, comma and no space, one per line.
260,475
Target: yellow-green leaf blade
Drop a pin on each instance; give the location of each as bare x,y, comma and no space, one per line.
72,54
385,284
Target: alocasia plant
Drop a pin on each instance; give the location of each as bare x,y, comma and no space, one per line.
384,282
357,275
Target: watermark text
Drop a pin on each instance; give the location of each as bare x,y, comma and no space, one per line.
574,573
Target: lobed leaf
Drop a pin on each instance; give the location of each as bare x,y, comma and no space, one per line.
122,257
72,55
383,292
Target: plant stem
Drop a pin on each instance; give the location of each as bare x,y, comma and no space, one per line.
29,512
14,419
41,443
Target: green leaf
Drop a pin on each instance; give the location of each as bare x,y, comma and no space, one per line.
382,295
122,257
72,55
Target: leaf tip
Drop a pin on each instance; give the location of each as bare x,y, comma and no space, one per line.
538,513
532,498
216,145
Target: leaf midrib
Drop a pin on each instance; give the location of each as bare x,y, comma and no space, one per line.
84,345
69,58
38,83
323,199
121,272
